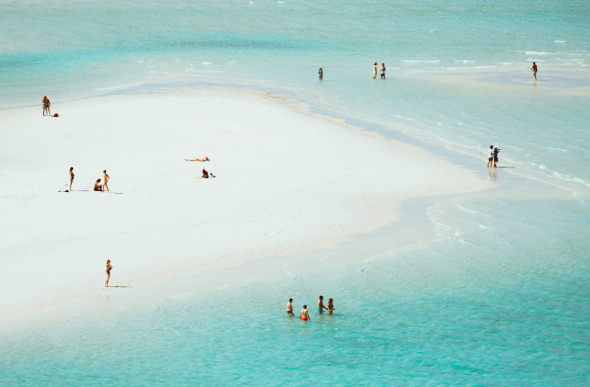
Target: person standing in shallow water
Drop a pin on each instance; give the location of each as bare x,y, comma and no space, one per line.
496,151
382,70
304,314
321,306
534,70
321,74
109,268
331,306
290,308
491,156
374,70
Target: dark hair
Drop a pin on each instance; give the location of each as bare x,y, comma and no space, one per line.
321,297
304,306
105,171
290,299
71,168
330,301
375,62
98,180
491,146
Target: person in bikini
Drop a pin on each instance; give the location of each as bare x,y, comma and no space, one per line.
331,306
109,268
290,308
321,306
201,160
71,177
374,70
106,180
97,187
534,70
382,70
46,104
304,314
321,74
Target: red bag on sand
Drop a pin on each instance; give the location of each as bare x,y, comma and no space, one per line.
56,115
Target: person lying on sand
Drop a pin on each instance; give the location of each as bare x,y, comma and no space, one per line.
201,160
97,187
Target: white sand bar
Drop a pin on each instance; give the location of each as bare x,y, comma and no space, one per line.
287,182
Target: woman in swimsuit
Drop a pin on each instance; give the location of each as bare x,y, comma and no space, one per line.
321,74
331,306
71,177
534,70
106,180
109,268
45,102
97,187
374,70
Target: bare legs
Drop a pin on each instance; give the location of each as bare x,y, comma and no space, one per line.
106,284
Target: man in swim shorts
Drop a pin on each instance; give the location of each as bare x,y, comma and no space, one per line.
534,70
321,306
304,314
290,308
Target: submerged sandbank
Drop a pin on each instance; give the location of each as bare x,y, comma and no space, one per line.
287,182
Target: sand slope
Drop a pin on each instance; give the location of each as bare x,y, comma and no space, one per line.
287,182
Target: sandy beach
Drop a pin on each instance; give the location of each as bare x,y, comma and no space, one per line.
286,182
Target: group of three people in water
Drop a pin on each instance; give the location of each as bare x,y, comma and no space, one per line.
97,185
304,314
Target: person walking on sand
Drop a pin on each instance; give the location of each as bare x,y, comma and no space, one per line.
534,70
109,268
106,180
97,187
374,70
331,306
290,308
321,306
304,314
321,74
71,177
382,70
496,151
46,105
491,156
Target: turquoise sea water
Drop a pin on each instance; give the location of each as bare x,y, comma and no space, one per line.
497,294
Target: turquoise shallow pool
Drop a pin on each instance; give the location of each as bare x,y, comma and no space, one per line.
498,296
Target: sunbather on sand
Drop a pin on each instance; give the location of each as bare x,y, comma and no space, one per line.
97,187
201,160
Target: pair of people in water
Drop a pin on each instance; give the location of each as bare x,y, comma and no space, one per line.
304,314
493,156
382,70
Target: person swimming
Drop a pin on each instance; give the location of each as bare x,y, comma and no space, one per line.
304,314
321,306
290,308
331,306
97,187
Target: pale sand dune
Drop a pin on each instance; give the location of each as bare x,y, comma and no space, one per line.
287,182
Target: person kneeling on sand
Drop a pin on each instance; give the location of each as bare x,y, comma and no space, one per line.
304,314
206,174
97,187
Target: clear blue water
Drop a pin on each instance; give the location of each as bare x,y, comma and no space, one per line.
498,296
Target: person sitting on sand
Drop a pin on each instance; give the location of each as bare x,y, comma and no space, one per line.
106,180
109,268
71,177
331,306
304,314
290,308
205,174
201,160
97,187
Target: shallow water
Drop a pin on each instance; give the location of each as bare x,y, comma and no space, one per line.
499,294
